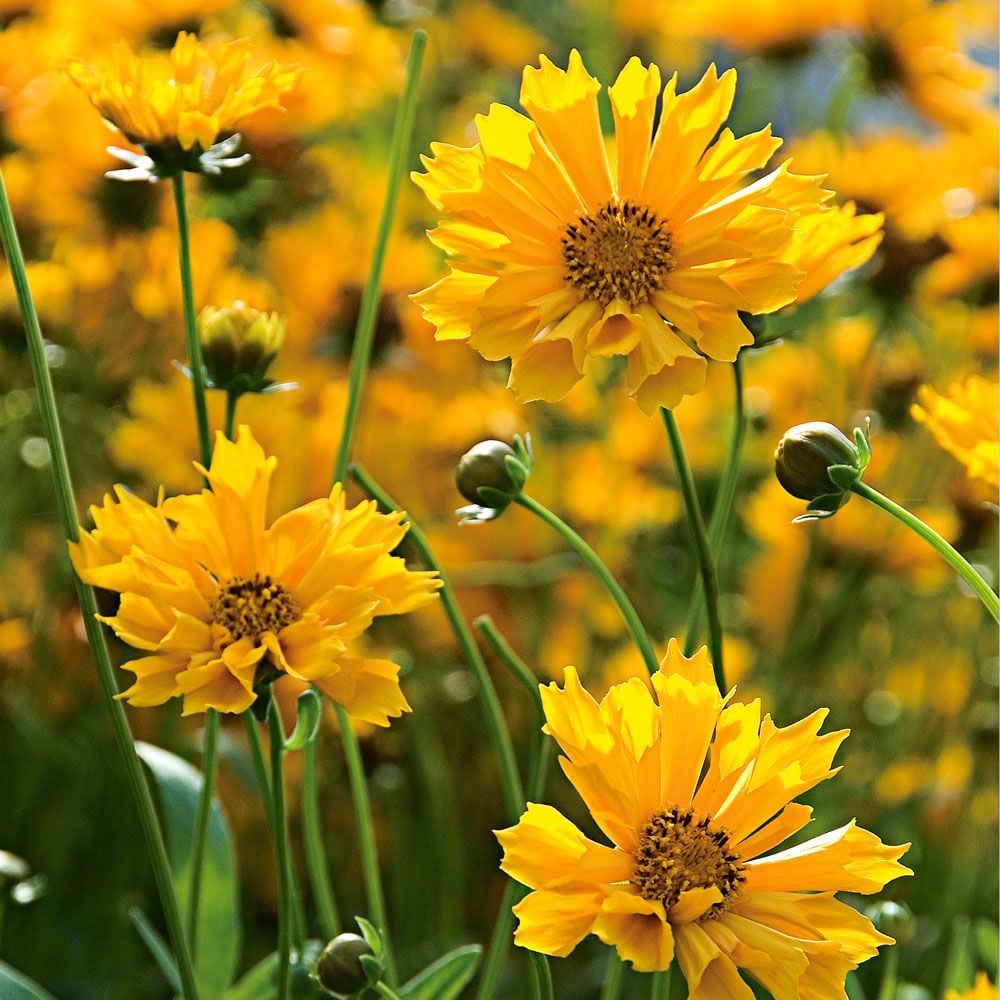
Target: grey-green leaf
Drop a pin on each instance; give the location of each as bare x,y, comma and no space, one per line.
446,978
14,986
260,982
217,948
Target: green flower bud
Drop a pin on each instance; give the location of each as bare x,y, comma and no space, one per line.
894,919
238,345
491,474
339,967
805,454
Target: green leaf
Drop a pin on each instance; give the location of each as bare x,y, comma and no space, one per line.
371,934
259,983
158,948
309,713
217,948
14,986
988,945
445,978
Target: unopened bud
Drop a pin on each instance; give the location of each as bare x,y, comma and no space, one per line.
894,919
238,345
491,474
339,967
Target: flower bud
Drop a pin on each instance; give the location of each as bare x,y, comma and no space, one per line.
805,454
491,474
339,967
894,919
238,345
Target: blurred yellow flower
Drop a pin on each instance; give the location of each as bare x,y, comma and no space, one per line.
188,98
982,990
566,256
966,424
222,602
686,877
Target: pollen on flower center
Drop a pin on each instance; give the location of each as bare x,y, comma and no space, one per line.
622,251
249,607
680,850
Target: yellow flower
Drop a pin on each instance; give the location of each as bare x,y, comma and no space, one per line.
982,990
964,422
566,256
217,598
692,790
188,98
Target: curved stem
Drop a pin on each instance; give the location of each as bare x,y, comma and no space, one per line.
316,862
724,500
210,760
66,504
277,740
190,324
366,838
364,333
958,562
706,563
613,979
593,561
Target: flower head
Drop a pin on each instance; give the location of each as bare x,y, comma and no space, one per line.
220,601
693,791
564,254
965,423
238,345
178,105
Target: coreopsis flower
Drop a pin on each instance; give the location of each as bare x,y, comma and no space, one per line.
693,790
221,602
178,105
965,423
982,989
564,255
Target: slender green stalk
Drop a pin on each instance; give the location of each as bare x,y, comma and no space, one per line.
66,502
259,766
510,779
614,978
209,766
366,839
541,976
277,741
705,561
190,324
364,333
954,559
326,907
232,400
660,985
593,561
724,501
890,977
385,991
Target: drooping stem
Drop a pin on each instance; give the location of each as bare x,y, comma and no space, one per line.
614,977
510,779
366,839
594,563
203,816
326,907
190,325
706,563
955,559
364,333
66,503
723,502
280,813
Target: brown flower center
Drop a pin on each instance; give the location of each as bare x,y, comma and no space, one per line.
680,850
249,607
622,251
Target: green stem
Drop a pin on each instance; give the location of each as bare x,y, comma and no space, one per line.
890,978
277,740
724,500
190,323
659,988
614,977
954,559
316,862
541,976
705,561
260,767
210,760
66,502
364,333
593,561
232,399
366,838
385,991
510,779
